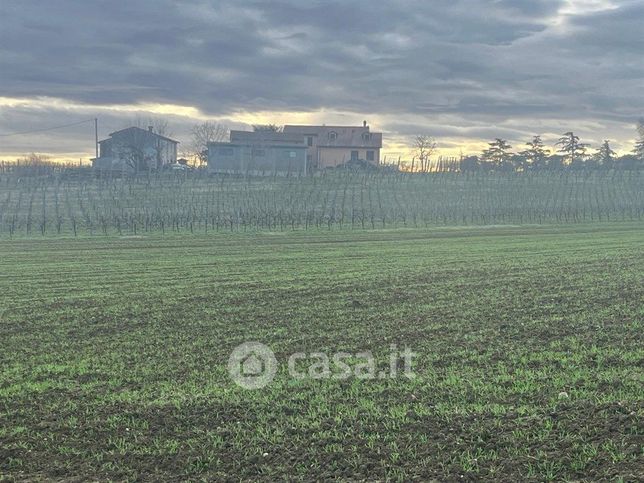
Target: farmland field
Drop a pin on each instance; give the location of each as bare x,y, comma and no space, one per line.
77,203
529,365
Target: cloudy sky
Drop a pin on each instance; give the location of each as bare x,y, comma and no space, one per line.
463,71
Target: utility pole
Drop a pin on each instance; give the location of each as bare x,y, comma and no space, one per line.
96,134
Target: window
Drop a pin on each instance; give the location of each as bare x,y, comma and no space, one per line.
333,136
292,154
366,136
371,156
309,141
226,151
259,153
354,155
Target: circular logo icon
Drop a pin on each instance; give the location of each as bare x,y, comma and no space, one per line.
252,365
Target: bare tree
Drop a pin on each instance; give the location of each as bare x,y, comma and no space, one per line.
424,147
34,159
131,148
204,133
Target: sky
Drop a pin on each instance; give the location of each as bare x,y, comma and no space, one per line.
462,71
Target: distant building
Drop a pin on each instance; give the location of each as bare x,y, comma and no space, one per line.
135,149
259,152
329,146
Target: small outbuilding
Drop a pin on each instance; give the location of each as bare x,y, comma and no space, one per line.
259,153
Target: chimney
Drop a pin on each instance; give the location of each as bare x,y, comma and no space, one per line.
150,128
364,123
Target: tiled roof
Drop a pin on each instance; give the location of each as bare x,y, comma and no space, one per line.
147,132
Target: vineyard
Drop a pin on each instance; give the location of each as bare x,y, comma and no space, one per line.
81,204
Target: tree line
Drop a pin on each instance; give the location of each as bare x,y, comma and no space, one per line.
568,153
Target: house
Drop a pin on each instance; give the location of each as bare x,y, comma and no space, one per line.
259,152
329,146
135,149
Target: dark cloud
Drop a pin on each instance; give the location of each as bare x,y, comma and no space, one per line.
471,62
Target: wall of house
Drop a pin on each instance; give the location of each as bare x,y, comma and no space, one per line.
312,150
224,158
275,158
105,148
332,156
156,152
168,152
257,159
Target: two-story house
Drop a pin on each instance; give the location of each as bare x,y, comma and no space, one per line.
329,146
135,149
